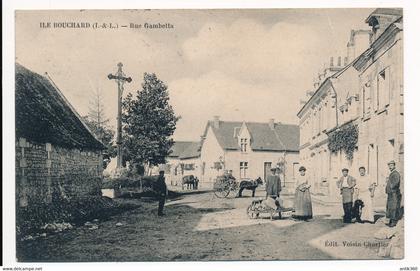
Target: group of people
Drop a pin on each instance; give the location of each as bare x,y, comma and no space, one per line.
302,204
363,189
352,190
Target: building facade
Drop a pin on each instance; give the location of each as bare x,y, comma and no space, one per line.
56,154
381,92
183,160
249,150
354,117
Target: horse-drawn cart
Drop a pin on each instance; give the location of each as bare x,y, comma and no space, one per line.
267,206
224,185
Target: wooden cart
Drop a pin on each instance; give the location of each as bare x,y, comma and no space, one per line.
259,206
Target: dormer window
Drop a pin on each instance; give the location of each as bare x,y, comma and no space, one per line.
244,144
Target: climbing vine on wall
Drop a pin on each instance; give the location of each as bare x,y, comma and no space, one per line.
345,139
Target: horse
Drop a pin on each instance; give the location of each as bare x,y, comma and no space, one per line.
190,181
249,184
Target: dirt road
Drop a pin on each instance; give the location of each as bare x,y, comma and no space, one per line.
199,226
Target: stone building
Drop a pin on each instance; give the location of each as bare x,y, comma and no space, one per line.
381,92
249,150
184,159
56,154
361,101
321,115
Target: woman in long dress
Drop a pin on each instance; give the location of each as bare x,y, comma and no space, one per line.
303,203
366,189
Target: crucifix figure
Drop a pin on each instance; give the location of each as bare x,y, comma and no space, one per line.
120,78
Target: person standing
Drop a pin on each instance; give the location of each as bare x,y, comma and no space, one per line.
161,191
273,188
303,203
346,184
394,195
366,192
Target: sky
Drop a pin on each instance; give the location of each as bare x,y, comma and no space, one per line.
239,64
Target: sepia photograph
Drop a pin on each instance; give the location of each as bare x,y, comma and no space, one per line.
203,135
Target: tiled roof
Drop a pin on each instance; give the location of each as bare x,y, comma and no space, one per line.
185,149
178,147
263,138
289,136
192,151
43,114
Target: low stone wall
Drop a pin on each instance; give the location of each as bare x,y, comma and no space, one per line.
45,173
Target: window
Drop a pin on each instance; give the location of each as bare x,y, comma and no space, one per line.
203,168
244,144
382,89
243,168
365,100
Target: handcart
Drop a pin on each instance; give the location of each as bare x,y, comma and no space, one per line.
267,206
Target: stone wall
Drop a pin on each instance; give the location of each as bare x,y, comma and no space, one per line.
45,173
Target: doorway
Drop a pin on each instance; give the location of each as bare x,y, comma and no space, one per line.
267,168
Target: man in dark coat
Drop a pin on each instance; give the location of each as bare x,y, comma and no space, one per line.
394,195
273,188
346,184
161,191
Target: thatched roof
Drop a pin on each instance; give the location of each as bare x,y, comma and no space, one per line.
43,115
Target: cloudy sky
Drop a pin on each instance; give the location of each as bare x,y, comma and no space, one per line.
239,64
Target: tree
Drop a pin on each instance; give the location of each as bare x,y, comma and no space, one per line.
99,125
148,124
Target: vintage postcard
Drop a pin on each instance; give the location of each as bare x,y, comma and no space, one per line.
209,134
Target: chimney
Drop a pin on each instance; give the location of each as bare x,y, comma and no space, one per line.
271,124
359,41
381,18
216,122
331,61
339,61
316,84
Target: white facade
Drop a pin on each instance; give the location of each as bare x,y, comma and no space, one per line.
381,112
367,93
244,162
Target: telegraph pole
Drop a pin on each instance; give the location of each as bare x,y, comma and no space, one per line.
120,78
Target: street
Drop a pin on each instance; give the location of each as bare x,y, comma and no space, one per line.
200,226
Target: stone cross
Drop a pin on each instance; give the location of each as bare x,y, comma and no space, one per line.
120,78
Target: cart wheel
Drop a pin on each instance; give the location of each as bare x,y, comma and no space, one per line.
221,192
252,213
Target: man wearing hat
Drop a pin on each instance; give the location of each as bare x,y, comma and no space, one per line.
161,190
273,187
394,195
346,184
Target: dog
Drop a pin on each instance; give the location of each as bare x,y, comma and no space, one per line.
357,210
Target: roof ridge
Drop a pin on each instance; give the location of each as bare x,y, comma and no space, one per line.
47,76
